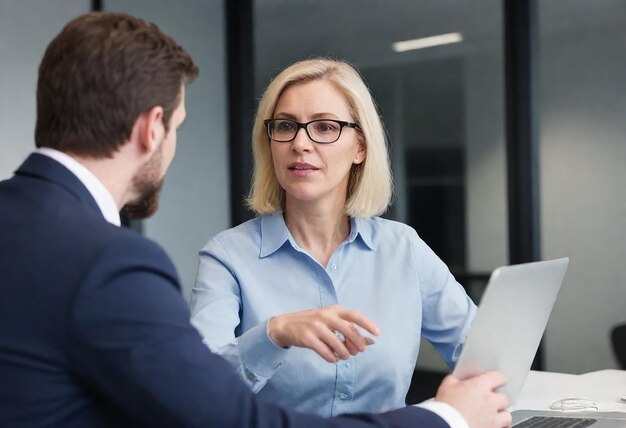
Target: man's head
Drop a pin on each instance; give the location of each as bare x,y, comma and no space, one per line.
98,77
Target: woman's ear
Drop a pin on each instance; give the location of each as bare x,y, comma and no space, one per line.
361,152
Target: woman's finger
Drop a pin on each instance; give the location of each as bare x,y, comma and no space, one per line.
349,331
358,319
334,342
352,348
322,349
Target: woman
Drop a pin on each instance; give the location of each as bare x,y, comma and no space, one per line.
272,294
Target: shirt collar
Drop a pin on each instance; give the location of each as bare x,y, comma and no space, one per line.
95,187
363,228
274,233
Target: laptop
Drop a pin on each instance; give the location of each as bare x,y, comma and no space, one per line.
510,321
506,332
555,419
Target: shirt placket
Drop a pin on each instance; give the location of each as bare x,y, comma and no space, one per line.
343,393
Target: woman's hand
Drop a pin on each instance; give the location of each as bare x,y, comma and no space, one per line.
318,329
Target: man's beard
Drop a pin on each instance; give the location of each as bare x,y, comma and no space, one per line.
147,184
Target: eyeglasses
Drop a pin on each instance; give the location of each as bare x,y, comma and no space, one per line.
569,404
322,131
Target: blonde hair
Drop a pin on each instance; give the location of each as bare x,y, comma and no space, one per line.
370,184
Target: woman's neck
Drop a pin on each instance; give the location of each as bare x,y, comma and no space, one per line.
319,230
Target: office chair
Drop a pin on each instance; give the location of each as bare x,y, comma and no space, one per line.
618,341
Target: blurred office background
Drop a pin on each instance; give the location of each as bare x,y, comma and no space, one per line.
444,110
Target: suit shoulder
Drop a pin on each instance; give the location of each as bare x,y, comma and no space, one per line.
117,250
139,248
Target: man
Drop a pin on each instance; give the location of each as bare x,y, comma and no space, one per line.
93,329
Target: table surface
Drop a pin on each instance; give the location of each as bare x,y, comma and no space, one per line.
605,388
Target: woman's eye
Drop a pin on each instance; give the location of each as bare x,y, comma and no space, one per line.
325,126
284,126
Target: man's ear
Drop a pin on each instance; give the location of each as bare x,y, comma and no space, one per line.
151,129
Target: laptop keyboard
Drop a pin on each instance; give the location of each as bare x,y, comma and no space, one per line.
554,422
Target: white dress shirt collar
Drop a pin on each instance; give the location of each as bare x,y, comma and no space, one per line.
94,186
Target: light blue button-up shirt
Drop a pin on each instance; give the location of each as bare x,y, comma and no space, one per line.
256,270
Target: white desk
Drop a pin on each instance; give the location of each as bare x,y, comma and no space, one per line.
604,387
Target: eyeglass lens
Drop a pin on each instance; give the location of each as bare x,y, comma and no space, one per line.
321,131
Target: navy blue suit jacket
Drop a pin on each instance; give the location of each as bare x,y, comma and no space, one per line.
95,333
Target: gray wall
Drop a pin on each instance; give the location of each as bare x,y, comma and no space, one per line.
26,28
194,202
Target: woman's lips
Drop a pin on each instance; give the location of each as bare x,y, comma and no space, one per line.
300,169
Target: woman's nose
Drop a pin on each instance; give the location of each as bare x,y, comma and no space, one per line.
302,142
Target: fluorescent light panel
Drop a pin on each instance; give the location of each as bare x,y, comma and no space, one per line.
427,42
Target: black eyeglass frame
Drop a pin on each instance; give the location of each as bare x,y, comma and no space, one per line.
342,124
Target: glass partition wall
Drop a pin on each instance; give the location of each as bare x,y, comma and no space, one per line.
443,105
583,151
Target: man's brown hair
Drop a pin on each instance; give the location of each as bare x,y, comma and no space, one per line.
99,75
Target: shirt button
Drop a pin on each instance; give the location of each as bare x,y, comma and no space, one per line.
333,266
343,396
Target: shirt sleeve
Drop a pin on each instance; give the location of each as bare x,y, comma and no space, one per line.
215,312
446,412
447,310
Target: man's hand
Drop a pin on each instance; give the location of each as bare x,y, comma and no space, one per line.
317,329
475,398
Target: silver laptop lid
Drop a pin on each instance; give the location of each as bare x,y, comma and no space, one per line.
510,321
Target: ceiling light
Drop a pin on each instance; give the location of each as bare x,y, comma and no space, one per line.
427,42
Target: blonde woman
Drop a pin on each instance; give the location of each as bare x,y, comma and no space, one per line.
294,297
